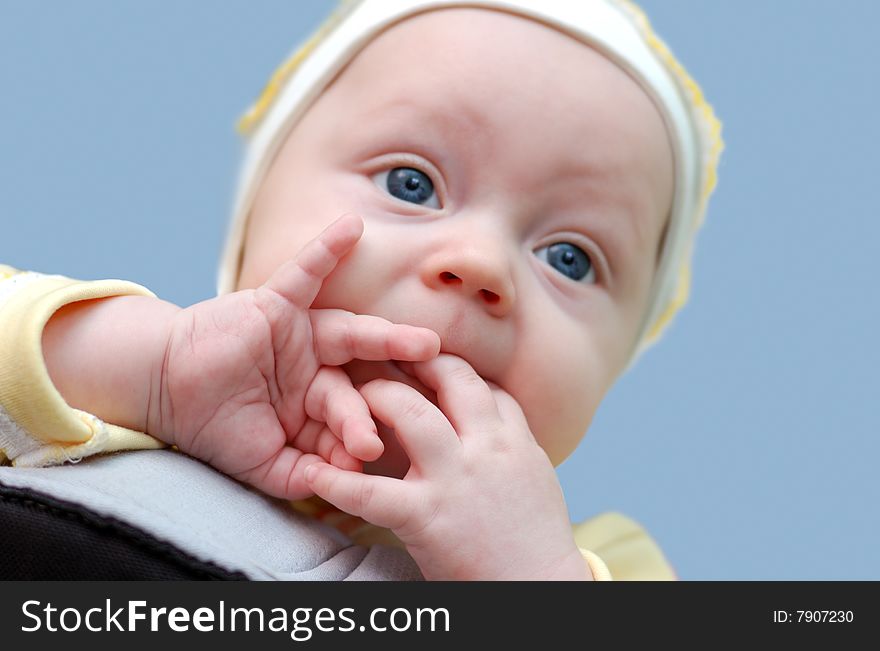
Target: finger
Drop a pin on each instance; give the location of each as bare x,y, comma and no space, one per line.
299,280
342,336
333,400
463,396
425,434
333,451
381,500
510,411
315,437
283,474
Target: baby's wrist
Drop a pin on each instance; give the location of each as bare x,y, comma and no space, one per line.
158,417
102,356
579,565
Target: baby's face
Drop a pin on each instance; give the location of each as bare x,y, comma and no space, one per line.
514,185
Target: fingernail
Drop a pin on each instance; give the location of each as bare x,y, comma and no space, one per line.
311,471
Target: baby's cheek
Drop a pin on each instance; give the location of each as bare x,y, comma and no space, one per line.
561,430
559,392
352,285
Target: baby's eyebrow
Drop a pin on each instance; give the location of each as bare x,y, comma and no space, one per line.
458,116
612,217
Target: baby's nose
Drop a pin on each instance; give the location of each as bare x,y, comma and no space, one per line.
478,274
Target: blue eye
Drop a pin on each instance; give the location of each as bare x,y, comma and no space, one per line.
409,184
569,260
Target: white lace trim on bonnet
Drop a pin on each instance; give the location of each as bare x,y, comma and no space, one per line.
616,28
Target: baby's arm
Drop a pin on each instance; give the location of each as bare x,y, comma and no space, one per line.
247,381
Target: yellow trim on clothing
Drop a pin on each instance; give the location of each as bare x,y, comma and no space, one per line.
26,389
626,548
255,113
597,566
709,163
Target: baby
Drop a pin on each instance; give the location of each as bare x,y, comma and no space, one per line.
456,228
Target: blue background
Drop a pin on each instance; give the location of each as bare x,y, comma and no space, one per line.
746,442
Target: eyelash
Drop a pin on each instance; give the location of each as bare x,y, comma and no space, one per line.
597,263
416,163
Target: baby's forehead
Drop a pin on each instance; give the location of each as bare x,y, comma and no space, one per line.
470,72
465,50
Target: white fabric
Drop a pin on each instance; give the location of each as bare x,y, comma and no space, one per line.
14,439
26,450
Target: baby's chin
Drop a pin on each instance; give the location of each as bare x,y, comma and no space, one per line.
393,462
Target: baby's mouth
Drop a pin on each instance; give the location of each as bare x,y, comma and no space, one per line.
393,462
361,372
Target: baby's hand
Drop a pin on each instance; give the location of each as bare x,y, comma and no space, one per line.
251,384
481,499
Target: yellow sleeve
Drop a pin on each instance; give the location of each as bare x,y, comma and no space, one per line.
628,552
37,427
